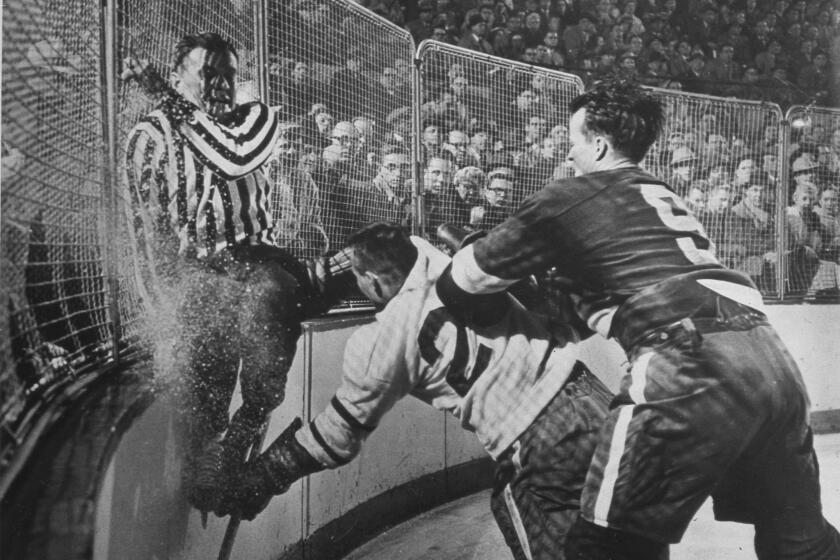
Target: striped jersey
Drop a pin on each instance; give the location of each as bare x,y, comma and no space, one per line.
495,380
610,233
202,177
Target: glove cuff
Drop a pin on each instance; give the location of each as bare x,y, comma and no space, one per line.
286,461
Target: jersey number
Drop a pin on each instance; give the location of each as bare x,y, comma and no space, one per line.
666,203
457,377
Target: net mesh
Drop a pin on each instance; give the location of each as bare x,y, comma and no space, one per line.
341,79
723,156
53,289
812,196
493,132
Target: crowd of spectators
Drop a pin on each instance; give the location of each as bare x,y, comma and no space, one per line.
492,135
775,50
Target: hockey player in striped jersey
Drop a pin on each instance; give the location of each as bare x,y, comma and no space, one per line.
200,199
713,403
520,388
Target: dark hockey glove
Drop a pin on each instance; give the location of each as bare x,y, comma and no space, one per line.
269,475
456,238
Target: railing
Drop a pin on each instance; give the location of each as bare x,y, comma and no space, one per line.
78,284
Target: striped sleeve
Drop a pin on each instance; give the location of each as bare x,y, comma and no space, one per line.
237,147
375,377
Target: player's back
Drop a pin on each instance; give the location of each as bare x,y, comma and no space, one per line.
496,379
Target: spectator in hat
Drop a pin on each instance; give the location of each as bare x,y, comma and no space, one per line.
576,38
804,170
474,36
627,66
422,27
683,170
815,78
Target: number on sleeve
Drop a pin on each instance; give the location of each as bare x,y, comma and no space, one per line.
457,377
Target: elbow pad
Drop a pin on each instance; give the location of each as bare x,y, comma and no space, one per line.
471,310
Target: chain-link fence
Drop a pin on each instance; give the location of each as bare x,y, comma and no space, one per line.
341,80
493,131
812,198
53,286
724,157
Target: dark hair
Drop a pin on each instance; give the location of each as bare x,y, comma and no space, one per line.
384,248
629,116
210,41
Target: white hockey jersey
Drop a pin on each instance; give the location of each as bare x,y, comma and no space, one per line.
496,380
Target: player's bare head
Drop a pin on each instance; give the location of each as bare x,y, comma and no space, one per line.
383,256
204,69
629,117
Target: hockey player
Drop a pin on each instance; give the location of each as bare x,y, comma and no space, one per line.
534,408
712,403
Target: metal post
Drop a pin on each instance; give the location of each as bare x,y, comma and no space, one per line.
110,197
781,205
419,223
261,44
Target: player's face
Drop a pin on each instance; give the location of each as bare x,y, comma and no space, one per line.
583,151
207,78
367,284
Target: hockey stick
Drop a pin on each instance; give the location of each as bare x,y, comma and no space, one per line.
236,516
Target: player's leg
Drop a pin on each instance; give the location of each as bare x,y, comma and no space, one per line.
207,355
552,460
670,440
775,483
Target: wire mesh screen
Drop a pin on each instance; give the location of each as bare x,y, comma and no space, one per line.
55,318
149,30
813,191
341,79
493,132
723,157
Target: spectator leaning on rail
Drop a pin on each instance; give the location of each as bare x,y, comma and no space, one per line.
703,357
516,385
197,184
